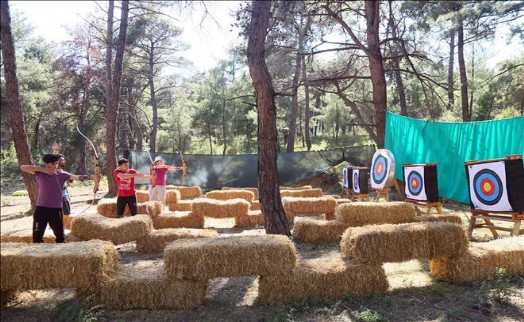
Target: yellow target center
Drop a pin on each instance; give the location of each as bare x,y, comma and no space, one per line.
487,187
414,183
379,168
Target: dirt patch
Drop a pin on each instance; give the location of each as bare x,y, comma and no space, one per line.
413,295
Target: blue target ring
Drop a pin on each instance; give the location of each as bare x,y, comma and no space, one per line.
380,169
355,181
415,183
488,187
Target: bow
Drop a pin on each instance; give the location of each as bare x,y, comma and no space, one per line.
152,172
96,163
184,166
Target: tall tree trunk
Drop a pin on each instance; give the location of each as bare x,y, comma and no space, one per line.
451,87
462,69
294,104
306,104
396,66
16,115
376,68
113,88
151,66
271,203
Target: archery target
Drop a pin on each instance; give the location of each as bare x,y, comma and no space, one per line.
382,169
356,181
487,186
345,180
415,183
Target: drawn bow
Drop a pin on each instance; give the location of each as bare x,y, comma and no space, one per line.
96,163
152,172
183,162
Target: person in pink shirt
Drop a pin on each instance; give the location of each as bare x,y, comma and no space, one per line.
125,181
50,199
157,192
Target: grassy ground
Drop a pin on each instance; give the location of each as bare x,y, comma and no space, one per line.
413,294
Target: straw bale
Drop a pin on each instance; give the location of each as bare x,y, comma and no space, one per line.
481,261
149,288
107,207
452,218
255,205
316,192
247,195
172,196
207,258
332,278
187,192
158,239
116,230
373,213
310,206
7,295
182,205
69,265
151,208
252,189
220,208
343,200
256,217
243,221
318,231
26,236
179,219
402,242
296,188
142,196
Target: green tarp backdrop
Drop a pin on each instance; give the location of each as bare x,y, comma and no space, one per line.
449,145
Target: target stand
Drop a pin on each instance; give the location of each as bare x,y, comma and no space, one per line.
428,204
382,192
496,193
515,217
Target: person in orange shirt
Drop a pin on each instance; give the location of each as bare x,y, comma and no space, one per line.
125,180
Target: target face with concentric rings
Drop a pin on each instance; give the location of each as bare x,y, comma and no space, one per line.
488,187
382,169
415,183
356,186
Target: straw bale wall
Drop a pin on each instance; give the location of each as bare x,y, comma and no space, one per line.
247,195
116,230
256,217
173,196
255,205
178,219
295,206
26,236
343,200
318,231
187,192
206,258
296,188
373,213
82,265
142,196
311,193
332,278
220,208
107,208
182,205
452,218
149,288
481,261
158,239
252,189
403,242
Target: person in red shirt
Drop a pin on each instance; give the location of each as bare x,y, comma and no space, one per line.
125,180
157,191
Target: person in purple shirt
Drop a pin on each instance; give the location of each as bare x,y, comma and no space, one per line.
49,204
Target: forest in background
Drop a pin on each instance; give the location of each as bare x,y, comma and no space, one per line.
335,68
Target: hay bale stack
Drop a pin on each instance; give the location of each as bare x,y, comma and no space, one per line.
398,243
452,218
149,288
373,213
481,261
173,196
206,258
255,205
221,208
83,265
116,230
187,192
296,188
151,208
178,219
343,200
310,206
252,189
332,278
311,193
158,239
182,205
256,217
318,231
107,207
142,196
247,195
26,236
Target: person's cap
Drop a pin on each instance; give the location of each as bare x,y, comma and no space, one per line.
158,159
